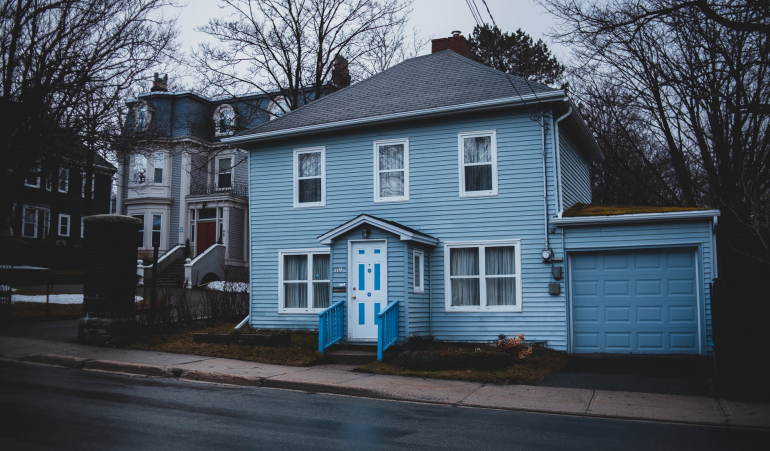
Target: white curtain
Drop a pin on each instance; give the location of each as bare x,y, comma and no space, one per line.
295,269
464,262
321,273
500,261
478,153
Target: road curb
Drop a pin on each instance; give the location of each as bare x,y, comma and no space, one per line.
220,378
126,367
64,361
326,389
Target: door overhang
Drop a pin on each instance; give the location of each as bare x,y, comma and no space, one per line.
403,232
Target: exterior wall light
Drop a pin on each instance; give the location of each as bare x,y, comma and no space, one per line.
365,233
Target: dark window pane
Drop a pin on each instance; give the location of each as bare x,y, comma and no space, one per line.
391,157
225,180
391,184
478,150
478,178
310,190
309,164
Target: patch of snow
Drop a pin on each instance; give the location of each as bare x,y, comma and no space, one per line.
28,267
54,298
238,287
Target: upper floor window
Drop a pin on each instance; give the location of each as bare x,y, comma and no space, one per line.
310,177
391,170
64,180
83,186
224,172
158,167
483,276
278,108
142,115
224,120
34,179
139,170
478,163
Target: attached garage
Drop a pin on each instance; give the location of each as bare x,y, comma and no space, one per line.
639,283
635,302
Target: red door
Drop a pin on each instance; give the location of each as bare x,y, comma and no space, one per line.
207,236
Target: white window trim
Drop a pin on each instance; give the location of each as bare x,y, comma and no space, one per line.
421,256
82,227
311,301
37,183
482,277
216,170
377,145
23,217
69,224
66,180
461,161
295,181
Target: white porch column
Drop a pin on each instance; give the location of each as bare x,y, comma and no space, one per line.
119,199
184,191
226,227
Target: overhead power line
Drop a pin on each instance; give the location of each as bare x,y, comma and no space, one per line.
489,12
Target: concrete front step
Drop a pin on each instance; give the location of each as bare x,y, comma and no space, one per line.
352,354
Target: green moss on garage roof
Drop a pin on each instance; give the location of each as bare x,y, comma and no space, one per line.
579,210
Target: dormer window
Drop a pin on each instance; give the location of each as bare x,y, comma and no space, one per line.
142,115
224,120
278,108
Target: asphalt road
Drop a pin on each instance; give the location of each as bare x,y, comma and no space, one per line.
52,408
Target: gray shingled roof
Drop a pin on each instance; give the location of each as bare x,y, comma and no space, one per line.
436,80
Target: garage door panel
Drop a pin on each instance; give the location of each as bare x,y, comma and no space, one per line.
635,302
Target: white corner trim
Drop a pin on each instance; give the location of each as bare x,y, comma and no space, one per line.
638,217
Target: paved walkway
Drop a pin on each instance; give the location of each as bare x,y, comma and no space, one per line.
340,379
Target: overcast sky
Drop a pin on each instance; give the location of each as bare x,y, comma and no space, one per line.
431,17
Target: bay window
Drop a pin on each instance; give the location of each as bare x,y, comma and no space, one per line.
310,177
139,173
305,281
483,276
478,164
391,170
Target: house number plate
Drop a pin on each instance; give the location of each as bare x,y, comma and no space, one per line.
339,269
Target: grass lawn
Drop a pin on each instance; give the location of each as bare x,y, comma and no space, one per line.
302,351
543,361
34,309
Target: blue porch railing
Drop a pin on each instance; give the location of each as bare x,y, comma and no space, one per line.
387,328
330,325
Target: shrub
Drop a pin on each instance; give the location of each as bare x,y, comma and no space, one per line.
513,346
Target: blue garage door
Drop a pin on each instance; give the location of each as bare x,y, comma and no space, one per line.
635,302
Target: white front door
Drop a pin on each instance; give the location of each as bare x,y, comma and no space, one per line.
369,288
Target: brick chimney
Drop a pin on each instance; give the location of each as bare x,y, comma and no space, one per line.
456,42
159,84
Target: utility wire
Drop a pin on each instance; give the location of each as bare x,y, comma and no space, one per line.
473,13
489,12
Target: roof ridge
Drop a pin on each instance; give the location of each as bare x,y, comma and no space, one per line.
499,72
328,96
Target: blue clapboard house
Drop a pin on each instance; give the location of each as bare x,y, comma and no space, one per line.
444,198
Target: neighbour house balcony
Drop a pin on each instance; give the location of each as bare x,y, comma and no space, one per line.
207,189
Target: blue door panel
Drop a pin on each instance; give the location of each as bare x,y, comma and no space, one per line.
629,302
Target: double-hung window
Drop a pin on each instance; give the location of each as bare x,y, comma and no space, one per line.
305,280
418,260
64,225
310,177
34,179
224,173
158,167
139,172
64,180
83,186
478,163
483,276
157,227
391,170
29,222
46,223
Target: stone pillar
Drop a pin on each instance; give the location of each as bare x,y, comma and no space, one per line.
110,279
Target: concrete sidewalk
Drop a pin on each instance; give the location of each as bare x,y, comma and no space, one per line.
340,379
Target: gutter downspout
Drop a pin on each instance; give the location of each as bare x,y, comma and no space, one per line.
430,292
557,159
545,183
715,259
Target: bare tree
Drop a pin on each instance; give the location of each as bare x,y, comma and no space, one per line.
285,48
702,87
65,66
